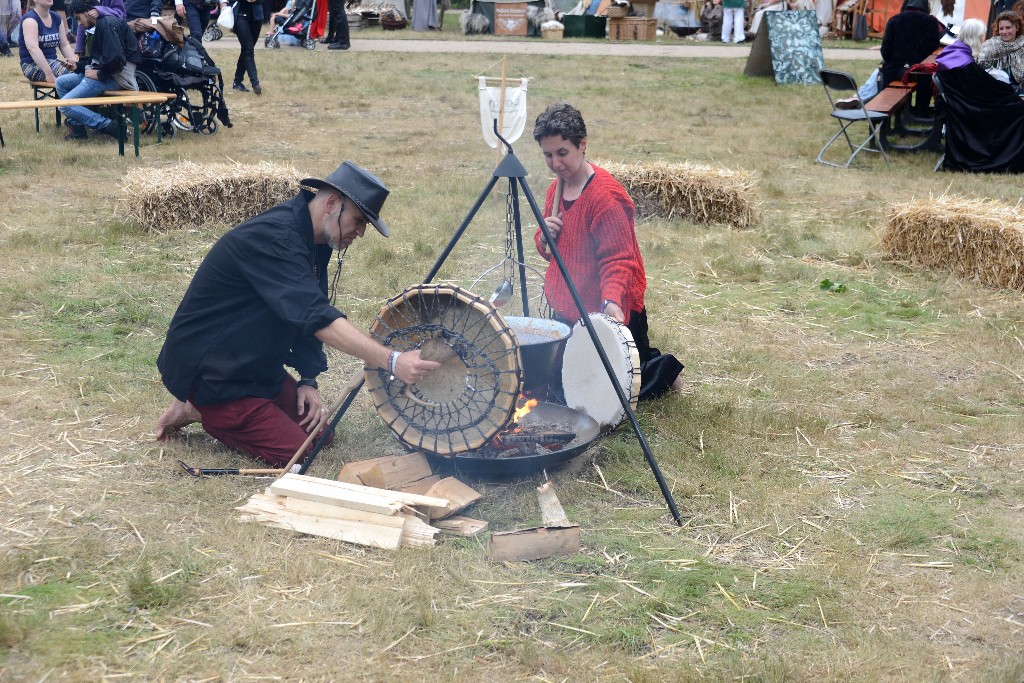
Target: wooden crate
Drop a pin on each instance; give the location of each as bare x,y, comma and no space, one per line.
510,19
632,28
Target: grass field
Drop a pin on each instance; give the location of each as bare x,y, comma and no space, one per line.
847,464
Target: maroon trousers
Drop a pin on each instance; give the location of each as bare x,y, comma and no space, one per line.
264,428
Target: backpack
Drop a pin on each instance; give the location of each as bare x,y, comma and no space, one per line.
188,59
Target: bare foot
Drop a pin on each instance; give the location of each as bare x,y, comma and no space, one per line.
677,383
179,414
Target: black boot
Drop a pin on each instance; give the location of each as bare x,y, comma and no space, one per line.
110,129
339,28
76,132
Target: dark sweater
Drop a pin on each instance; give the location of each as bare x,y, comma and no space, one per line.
254,306
910,37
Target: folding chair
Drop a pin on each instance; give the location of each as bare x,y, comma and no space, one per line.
838,82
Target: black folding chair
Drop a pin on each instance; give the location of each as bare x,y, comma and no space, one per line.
840,82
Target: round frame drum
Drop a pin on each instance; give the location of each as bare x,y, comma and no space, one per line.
472,396
584,380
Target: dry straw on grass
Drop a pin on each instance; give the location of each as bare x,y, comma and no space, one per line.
973,239
702,194
191,195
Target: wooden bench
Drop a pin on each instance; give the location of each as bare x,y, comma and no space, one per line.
133,102
44,89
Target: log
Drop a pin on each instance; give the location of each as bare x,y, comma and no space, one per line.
533,544
457,525
392,473
551,511
459,496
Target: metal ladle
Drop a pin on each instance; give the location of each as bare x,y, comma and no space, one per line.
502,294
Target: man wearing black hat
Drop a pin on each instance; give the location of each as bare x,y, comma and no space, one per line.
257,303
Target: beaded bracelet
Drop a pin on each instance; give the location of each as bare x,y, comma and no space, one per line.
393,362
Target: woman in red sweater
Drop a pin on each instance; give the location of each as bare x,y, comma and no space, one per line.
593,227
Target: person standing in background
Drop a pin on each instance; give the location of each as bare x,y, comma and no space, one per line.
10,16
337,36
248,20
732,20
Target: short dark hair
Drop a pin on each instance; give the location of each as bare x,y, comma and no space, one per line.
81,6
560,119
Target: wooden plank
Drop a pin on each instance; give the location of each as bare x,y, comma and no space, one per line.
400,470
269,510
550,508
314,490
458,494
309,507
456,525
50,103
889,100
417,532
420,487
350,471
410,499
533,544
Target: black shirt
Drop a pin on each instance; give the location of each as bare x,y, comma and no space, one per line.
909,38
253,307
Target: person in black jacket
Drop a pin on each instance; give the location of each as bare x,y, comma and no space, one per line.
112,58
259,302
909,38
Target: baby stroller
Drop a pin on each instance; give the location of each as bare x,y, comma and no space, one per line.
197,83
298,25
213,30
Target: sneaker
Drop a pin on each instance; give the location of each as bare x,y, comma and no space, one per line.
257,89
848,103
240,87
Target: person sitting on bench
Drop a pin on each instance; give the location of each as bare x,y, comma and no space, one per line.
42,36
909,38
113,56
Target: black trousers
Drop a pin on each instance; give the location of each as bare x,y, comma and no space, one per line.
338,32
247,29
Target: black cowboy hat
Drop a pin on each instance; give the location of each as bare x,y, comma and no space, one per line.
364,189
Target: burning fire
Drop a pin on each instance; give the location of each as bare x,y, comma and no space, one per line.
524,410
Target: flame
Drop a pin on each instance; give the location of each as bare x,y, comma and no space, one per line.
525,410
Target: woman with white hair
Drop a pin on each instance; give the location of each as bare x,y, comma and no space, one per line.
965,49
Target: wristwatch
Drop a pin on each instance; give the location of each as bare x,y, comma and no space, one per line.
604,304
308,382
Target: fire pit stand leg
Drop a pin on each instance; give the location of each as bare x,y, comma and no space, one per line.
510,167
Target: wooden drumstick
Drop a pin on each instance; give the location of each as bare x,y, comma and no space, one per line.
556,208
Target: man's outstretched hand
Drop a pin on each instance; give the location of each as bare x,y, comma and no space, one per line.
179,414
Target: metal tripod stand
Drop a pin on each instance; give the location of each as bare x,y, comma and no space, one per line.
511,168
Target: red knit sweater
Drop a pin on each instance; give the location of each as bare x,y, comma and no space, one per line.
599,247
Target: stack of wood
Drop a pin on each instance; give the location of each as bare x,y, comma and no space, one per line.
412,474
407,505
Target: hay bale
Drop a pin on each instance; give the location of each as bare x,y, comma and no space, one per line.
973,239
190,195
702,194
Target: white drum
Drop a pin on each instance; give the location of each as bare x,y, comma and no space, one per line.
584,380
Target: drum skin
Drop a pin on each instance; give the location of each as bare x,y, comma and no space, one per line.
472,396
584,379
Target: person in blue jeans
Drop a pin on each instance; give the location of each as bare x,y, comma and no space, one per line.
111,66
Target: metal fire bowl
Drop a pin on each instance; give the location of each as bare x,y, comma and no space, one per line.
586,428
540,341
